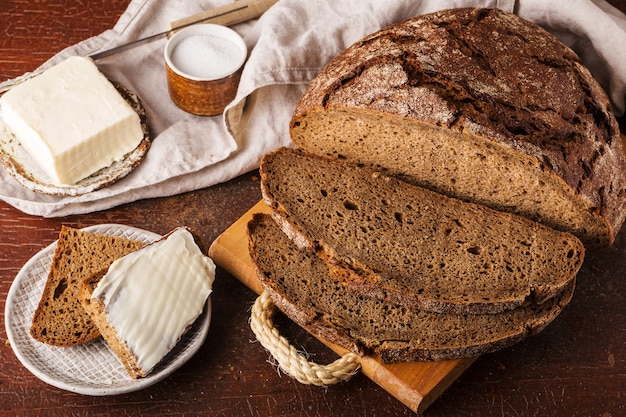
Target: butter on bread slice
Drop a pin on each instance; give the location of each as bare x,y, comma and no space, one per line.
144,302
59,319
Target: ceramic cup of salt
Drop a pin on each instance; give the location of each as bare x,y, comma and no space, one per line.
203,64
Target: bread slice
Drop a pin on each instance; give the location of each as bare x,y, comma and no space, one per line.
480,105
301,286
146,301
59,319
412,246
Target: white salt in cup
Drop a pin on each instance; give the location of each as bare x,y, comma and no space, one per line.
203,64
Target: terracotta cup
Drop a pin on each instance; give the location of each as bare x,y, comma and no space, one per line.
203,64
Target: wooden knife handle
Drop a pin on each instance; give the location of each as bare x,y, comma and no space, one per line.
250,9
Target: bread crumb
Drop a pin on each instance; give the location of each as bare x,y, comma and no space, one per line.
611,360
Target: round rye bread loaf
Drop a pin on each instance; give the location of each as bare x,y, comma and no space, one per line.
480,105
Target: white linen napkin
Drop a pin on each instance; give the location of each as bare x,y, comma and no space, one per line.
288,46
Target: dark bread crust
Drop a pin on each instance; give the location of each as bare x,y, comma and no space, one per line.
489,90
391,240
300,285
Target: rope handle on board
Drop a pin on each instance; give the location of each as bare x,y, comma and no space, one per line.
289,359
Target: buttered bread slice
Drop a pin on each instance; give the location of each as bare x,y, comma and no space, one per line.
144,302
391,240
71,120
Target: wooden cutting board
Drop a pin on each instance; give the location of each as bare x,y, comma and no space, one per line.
416,385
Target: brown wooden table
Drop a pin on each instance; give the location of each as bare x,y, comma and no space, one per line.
576,367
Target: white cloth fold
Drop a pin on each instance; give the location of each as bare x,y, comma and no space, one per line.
288,46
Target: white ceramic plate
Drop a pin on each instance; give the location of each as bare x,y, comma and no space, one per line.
90,369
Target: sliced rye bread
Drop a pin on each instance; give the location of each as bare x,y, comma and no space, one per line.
477,104
302,287
411,246
59,319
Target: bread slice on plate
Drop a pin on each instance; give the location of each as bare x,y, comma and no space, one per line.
144,302
301,286
481,105
395,241
59,319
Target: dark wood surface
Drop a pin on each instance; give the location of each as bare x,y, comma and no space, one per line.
576,367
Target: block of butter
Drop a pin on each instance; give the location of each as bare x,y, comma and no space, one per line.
71,120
